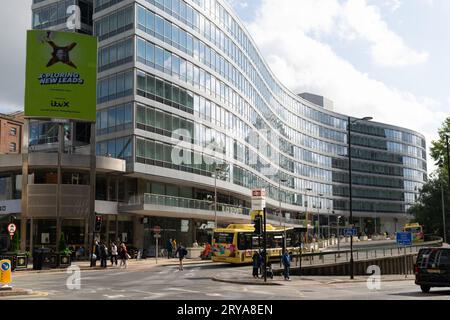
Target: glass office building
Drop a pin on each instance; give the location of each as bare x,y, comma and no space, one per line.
183,91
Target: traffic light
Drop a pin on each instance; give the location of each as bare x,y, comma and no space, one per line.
258,225
98,223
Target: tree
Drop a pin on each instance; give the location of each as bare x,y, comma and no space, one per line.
438,149
428,210
62,246
15,243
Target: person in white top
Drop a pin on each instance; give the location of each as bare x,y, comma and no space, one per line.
113,253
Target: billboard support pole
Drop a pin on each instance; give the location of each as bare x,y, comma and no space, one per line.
24,200
93,164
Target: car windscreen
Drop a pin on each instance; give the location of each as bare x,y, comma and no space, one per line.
433,258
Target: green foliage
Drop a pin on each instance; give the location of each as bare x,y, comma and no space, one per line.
439,149
62,245
428,210
15,243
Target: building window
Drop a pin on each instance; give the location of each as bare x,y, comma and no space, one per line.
12,147
13,131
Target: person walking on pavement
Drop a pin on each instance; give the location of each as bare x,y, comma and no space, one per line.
286,259
123,255
169,249
256,263
103,255
113,253
182,252
95,254
174,247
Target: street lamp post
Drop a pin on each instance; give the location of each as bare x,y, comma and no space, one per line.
218,170
447,136
306,213
319,206
339,235
349,140
279,208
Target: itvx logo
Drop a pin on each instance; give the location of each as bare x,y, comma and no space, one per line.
59,104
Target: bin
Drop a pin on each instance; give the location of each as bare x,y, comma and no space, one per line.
38,257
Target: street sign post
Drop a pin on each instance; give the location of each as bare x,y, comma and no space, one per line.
157,230
5,273
12,229
405,239
350,232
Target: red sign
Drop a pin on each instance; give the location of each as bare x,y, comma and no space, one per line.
258,193
157,229
12,228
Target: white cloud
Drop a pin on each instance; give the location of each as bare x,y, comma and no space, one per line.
284,31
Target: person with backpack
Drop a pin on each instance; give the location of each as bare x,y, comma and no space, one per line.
123,255
169,248
103,255
182,252
286,259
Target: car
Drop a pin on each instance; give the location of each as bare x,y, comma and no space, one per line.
432,268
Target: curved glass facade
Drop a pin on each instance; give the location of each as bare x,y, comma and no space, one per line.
182,86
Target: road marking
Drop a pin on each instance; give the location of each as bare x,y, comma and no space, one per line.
183,290
114,297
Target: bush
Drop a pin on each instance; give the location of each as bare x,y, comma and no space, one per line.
62,245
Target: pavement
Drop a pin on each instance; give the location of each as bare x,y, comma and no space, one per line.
145,281
278,280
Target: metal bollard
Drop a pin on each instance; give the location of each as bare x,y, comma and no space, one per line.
367,254
346,256
335,259
391,252
375,253
384,253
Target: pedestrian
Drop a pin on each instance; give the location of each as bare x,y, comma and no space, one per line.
103,255
95,254
174,247
113,253
182,252
123,255
286,259
169,249
256,264
261,262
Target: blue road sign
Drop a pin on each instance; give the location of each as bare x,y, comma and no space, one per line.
5,266
349,232
404,238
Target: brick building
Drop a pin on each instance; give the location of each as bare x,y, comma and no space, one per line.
11,132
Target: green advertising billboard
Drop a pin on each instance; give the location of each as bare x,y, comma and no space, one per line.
61,75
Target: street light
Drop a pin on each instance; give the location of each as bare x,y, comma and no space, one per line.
319,206
349,132
306,213
447,136
218,171
279,198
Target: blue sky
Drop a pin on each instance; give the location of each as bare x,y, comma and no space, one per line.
389,59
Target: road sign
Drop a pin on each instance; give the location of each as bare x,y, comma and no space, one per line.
348,232
5,271
404,238
157,229
12,228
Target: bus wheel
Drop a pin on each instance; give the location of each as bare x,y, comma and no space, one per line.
425,289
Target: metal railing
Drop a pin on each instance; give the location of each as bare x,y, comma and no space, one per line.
180,202
342,256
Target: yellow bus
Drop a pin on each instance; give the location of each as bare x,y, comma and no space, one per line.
237,243
416,230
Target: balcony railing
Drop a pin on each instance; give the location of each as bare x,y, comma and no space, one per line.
180,202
